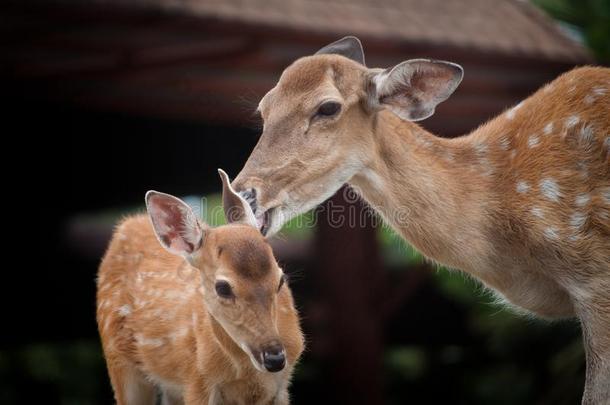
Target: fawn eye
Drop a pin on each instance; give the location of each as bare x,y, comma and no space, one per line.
282,281
223,289
328,109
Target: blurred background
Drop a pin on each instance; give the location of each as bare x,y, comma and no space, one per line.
109,98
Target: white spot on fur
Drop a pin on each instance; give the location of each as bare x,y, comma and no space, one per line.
537,212
173,295
586,135
605,193
513,154
551,233
548,88
599,91
550,189
125,310
582,168
424,142
180,333
582,200
511,113
522,187
578,220
504,143
139,303
571,121
548,128
533,141
144,341
480,147
487,168
154,293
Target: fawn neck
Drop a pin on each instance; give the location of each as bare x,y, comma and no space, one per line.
422,185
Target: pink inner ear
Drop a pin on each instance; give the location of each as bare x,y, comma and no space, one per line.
179,245
173,224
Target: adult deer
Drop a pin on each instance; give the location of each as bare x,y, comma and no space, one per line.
201,314
521,203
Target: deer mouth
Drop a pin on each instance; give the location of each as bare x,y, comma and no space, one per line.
265,221
263,216
256,357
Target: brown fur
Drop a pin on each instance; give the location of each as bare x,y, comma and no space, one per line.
156,327
251,258
519,205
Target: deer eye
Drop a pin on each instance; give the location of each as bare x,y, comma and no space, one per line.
223,289
328,109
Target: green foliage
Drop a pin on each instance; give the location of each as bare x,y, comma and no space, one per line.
408,361
590,17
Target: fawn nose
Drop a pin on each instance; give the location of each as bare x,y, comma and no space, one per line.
274,357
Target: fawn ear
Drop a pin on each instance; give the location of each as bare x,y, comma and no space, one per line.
414,88
235,206
350,47
174,223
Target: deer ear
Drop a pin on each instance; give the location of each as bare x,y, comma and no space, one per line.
174,223
235,206
350,47
414,88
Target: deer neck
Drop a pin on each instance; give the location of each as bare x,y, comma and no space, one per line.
428,190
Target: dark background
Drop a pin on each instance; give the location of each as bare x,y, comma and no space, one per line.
382,325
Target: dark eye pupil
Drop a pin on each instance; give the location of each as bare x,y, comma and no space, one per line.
223,289
328,109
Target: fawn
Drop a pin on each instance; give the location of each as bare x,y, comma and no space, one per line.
522,203
201,315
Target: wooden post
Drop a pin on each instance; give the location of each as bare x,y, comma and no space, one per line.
349,275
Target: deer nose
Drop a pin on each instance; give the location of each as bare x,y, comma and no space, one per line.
274,357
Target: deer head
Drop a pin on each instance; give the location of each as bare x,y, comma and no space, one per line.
319,121
241,278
